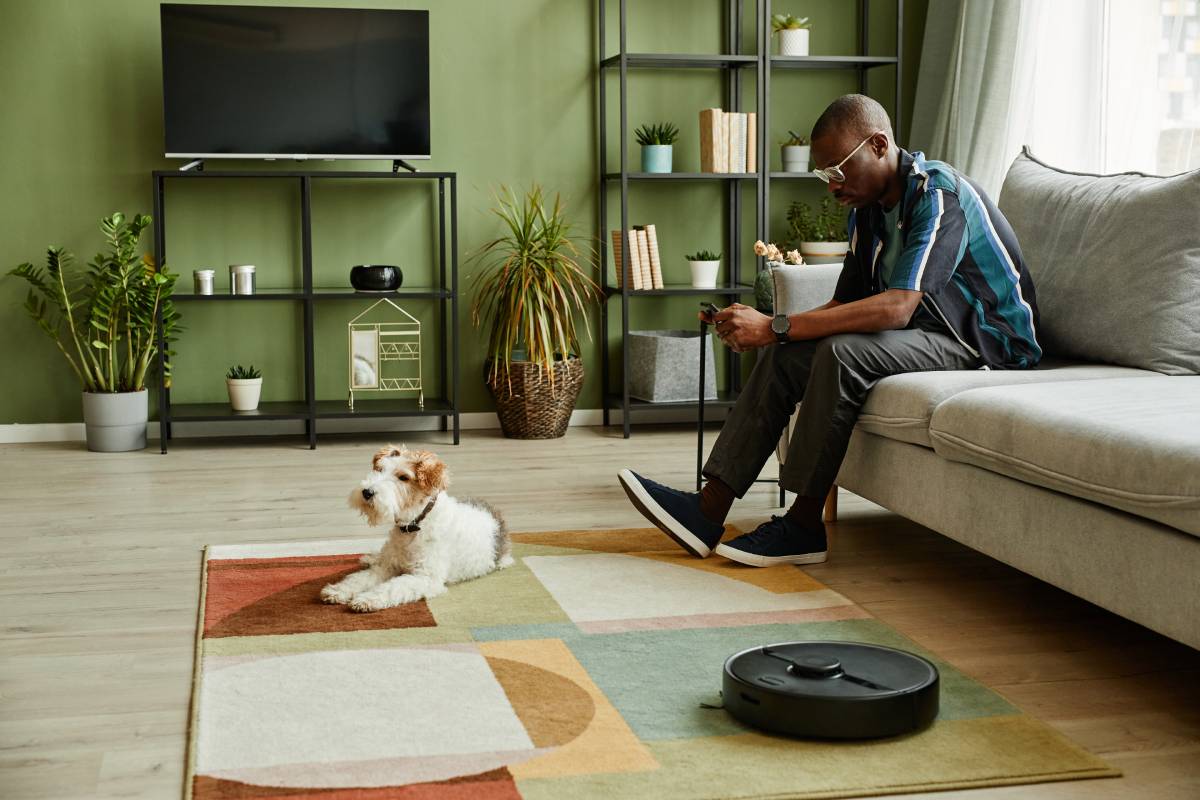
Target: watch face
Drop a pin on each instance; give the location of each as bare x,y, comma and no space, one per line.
780,324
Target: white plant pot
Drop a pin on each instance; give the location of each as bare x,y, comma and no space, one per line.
244,392
115,422
704,274
824,252
793,42
796,157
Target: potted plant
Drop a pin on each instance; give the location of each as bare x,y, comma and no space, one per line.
657,142
533,281
244,386
763,284
793,34
704,265
821,234
104,323
795,153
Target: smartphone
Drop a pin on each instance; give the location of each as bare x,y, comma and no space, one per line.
710,310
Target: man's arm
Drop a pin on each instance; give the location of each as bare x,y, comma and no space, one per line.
743,328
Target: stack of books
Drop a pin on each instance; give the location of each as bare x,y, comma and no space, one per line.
727,141
644,270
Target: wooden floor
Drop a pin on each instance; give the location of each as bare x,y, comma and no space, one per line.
100,559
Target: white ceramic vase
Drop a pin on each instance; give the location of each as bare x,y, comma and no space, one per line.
823,252
244,393
704,274
793,42
796,157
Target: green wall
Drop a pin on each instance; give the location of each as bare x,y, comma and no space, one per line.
514,99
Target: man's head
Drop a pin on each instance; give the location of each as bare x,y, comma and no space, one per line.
844,125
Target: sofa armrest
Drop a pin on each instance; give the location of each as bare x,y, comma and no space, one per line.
803,287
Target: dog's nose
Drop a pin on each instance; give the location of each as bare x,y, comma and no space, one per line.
368,494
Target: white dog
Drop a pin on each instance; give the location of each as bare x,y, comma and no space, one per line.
435,539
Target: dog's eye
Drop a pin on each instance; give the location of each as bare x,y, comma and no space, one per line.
403,477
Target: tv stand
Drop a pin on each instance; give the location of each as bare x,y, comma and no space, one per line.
197,165
397,163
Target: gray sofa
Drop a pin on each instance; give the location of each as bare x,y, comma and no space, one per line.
1084,472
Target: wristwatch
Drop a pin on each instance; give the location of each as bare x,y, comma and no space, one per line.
780,325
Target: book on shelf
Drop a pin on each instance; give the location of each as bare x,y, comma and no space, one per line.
632,273
737,141
751,142
644,258
645,266
727,141
655,259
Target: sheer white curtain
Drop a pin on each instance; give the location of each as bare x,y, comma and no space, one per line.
1089,85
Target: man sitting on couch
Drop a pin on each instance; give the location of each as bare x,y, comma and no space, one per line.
933,280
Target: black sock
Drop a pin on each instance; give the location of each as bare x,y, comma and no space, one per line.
715,500
806,513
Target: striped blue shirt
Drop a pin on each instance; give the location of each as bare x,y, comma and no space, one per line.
961,252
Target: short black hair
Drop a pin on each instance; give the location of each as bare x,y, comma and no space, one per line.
856,113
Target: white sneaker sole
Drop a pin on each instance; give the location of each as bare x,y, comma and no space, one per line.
752,560
655,513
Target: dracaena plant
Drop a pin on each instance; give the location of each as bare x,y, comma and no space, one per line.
533,280
103,319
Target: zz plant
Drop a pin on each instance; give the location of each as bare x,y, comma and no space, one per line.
103,320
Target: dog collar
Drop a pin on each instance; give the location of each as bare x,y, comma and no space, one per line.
415,525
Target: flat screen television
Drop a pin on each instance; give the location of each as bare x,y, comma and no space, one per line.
274,82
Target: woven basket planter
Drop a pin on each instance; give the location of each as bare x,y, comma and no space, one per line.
531,410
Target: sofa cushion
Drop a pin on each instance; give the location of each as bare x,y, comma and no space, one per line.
900,406
1128,443
1115,260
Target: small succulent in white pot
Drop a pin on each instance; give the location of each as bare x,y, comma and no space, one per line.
793,34
705,265
795,153
245,387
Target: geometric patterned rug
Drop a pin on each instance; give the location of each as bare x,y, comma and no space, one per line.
582,671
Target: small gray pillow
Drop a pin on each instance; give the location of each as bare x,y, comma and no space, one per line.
1115,261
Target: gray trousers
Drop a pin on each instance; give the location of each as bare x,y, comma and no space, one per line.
832,376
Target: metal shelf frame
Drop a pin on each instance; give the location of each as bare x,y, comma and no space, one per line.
733,62
310,409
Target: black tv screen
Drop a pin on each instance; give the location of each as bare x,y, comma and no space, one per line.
271,82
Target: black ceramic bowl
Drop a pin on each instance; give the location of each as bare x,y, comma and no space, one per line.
376,277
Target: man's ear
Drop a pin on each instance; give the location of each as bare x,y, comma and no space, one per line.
430,473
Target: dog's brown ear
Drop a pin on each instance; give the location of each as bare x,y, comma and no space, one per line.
386,451
429,473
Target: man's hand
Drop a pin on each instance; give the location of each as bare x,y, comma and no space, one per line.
742,328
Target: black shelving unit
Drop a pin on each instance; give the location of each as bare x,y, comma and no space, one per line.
310,409
732,62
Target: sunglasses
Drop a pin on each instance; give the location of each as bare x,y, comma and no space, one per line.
835,173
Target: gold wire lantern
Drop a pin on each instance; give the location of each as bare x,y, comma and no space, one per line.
382,354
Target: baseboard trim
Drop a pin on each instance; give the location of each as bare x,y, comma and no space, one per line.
21,433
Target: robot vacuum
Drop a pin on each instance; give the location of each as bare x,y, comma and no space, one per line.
831,690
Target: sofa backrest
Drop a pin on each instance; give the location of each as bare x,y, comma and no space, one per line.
1115,261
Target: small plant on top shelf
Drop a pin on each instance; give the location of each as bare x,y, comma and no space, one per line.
704,255
795,153
793,34
657,134
656,140
245,387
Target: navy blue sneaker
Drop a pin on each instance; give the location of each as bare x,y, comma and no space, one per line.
675,513
778,541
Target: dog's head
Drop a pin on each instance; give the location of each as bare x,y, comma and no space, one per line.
401,482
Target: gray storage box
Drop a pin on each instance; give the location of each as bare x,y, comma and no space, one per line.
664,366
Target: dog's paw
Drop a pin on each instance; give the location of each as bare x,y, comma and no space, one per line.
369,559
334,593
369,601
